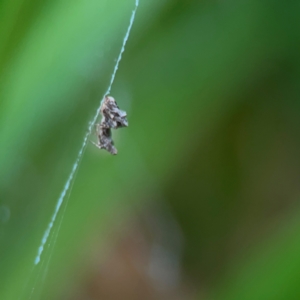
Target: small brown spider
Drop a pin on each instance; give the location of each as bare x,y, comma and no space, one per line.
112,118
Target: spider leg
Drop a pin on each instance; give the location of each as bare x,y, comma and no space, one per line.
97,126
97,145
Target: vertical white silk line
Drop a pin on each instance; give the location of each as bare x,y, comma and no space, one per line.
76,164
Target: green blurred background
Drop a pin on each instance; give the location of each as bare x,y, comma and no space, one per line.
202,200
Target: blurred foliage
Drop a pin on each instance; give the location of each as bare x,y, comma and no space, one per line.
212,93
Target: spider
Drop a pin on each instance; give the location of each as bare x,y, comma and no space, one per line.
112,118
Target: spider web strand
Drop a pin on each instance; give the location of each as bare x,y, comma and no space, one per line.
83,146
